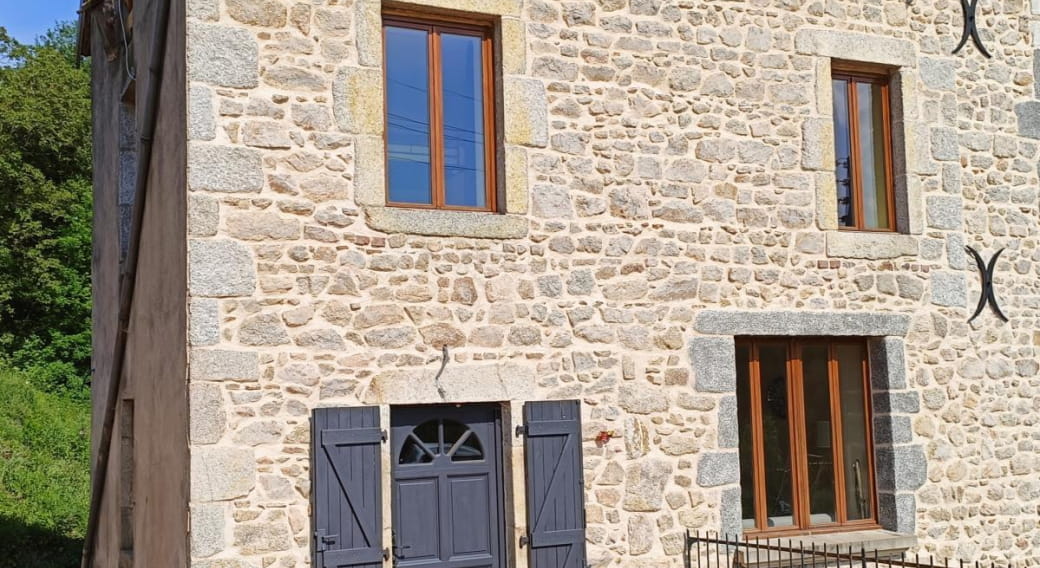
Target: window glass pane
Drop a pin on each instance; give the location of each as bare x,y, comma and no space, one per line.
462,78
746,443
408,116
414,452
429,434
854,431
869,103
819,452
775,435
843,153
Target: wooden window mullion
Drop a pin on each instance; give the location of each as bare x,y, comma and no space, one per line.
886,125
757,442
837,441
490,142
436,120
796,428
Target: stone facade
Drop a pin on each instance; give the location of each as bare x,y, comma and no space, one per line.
667,182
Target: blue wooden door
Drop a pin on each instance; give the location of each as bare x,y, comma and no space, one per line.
447,487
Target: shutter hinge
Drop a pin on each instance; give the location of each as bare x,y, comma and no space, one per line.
322,540
524,540
386,554
521,430
382,435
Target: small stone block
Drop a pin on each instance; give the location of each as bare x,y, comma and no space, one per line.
714,364
715,469
901,468
887,364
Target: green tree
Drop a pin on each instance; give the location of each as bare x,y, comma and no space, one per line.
45,210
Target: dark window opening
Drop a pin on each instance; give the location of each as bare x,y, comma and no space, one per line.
806,458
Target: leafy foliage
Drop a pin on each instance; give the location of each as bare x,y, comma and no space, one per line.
44,475
45,211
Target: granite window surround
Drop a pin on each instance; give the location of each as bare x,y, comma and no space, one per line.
520,102
899,463
818,140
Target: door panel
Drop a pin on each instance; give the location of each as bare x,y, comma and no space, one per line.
469,507
447,487
418,526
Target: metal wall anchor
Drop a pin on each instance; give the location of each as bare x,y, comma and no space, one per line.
971,28
986,295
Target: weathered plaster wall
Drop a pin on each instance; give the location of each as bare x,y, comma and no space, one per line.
665,158
155,370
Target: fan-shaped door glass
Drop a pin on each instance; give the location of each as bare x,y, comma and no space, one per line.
441,437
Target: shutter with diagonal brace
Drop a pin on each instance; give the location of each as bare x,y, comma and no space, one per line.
555,485
345,451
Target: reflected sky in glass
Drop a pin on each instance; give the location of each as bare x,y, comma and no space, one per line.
463,98
408,116
460,102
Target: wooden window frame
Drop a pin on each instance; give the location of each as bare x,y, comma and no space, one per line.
797,438
853,73
435,26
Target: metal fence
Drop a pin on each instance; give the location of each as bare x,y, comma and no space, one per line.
712,550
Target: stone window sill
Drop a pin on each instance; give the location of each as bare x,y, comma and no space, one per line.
871,246
439,223
886,544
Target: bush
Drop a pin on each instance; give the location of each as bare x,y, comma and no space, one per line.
44,475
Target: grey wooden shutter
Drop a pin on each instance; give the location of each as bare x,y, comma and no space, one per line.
555,485
345,452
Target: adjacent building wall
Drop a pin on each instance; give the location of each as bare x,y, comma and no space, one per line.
156,357
668,167
107,80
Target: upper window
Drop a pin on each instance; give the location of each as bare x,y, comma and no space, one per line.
863,149
439,117
805,446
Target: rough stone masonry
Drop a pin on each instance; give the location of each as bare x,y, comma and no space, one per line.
669,183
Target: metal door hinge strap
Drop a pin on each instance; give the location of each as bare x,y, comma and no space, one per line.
521,430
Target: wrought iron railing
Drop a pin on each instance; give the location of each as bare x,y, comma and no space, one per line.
712,550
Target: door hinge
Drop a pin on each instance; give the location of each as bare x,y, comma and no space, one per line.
524,540
521,430
382,435
386,554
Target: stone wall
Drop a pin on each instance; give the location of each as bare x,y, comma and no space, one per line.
662,159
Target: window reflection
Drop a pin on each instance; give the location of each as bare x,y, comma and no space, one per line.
862,151
408,116
438,117
463,96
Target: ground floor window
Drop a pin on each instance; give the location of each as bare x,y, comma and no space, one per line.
806,457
